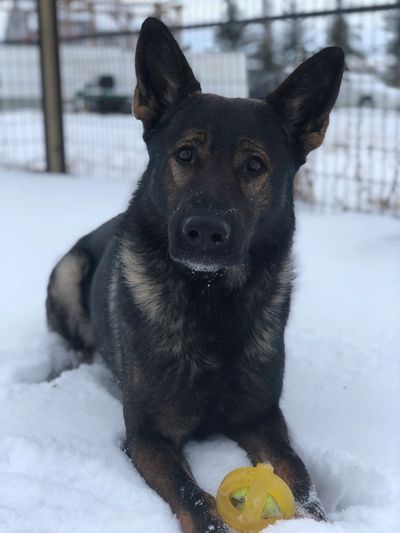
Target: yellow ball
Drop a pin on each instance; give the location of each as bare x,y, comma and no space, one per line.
251,498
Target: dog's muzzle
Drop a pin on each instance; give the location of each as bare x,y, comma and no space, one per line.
204,241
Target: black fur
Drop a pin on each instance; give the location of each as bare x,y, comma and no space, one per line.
195,333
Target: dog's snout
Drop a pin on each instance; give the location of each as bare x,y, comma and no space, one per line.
206,231
207,238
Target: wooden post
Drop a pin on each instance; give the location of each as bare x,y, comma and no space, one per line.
51,85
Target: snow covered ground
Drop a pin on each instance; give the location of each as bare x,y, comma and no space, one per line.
61,466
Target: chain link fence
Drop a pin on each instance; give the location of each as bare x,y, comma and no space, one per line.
236,49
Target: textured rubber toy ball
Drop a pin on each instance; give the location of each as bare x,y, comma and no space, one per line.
251,498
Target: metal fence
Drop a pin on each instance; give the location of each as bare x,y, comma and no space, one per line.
236,49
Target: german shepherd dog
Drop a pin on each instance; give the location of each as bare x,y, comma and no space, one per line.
186,294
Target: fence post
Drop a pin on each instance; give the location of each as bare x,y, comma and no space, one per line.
51,85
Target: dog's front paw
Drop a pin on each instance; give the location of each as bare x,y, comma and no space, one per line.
204,523
203,517
211,522
311,509
214,525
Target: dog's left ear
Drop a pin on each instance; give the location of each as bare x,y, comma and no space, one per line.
164,77
305,99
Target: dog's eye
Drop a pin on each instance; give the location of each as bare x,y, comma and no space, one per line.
255,165
185,154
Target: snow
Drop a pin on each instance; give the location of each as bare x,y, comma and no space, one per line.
61,464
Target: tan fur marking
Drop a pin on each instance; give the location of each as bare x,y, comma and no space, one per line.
180,174
262,341
313,140
284,469
145,290
188,525
164,468
148,294
284,280
193,136
144,111
66,291
200,141
157,465
236,277
252,145
257,189
112,293
259,450
114,338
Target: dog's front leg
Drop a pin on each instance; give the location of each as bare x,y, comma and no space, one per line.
268,441
167,472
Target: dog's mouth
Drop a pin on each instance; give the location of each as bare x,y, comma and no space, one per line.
200,266
205,263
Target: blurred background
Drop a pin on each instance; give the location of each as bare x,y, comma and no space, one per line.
67,77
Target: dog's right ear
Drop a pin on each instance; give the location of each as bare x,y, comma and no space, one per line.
164,77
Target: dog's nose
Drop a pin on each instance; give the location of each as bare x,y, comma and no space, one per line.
206,231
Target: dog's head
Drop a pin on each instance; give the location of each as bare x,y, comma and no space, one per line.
221,170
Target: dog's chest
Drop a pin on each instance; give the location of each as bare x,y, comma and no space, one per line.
215,362
216,381
211,400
